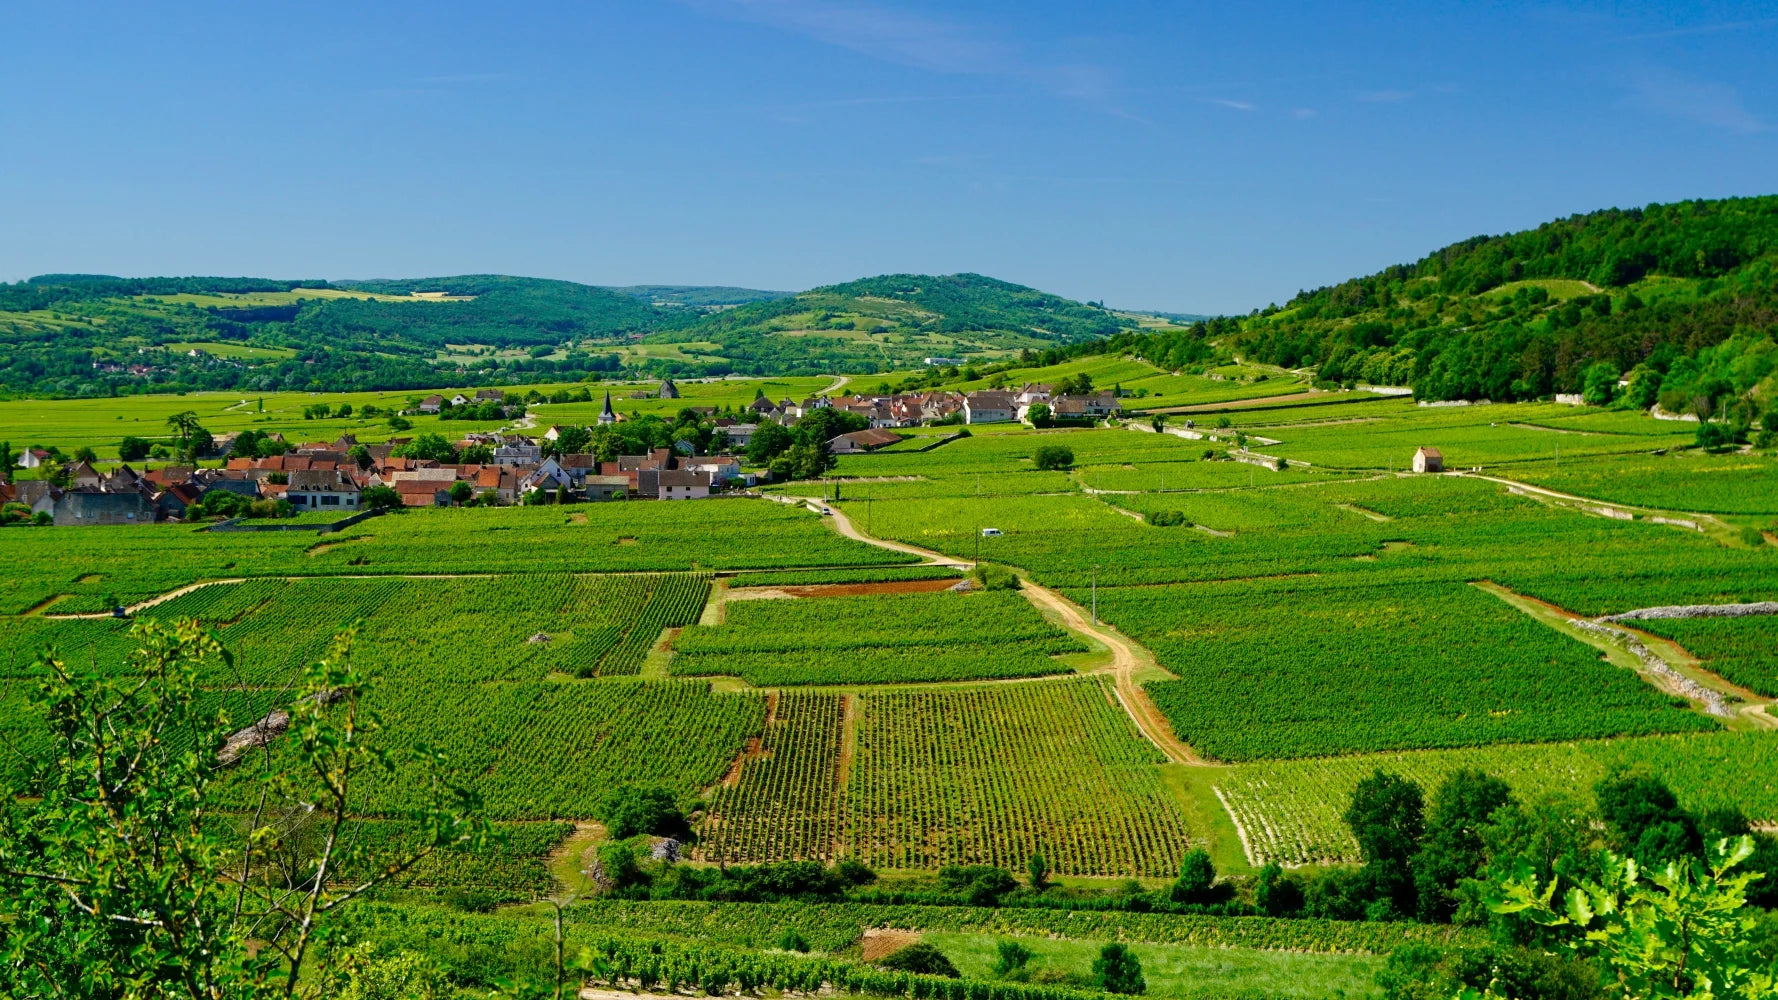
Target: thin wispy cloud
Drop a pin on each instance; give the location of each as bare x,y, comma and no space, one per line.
922,41
1701,29
882,32
1227,103
1302,113
1384,96
458,78
1702,102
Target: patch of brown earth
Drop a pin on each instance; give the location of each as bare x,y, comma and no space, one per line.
881,942
865,589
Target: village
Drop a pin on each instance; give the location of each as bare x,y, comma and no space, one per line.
510,467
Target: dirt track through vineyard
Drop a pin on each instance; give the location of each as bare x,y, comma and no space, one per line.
1126,656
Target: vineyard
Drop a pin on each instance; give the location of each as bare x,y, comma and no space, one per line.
980,775
1743,650
1290,811
76,567
1717,484
812,577
1301,669
484,628
785,804
1319,624
835,927
551,749
877,639
513,868
994,774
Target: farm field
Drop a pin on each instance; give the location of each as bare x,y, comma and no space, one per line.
136,563
1744,650
723,393
807,696
982,775
1183,971
1472,436
875,639
1715,484
1289,811
932,783
1297,669
101,423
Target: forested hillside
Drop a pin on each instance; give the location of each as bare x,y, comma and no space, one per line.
895,321
96,335
1682,299
497,310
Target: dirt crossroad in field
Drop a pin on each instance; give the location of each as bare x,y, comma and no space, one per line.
1127,658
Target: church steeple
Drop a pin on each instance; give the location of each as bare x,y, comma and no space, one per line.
607,415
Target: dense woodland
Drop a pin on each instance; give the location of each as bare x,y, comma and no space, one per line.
1686,294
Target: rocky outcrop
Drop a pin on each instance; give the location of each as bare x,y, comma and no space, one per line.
1712,700
1696,611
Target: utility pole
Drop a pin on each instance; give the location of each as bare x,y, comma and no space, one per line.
978,548
1095,593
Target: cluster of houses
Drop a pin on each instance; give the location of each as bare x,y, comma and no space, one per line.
434,403
987,406
324,477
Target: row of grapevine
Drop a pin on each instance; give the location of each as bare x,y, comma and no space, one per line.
1291,811
810,577
877,639
1744,650
835,926
139,562
994,774
514,867
552,749
673,601
1310,667
786,803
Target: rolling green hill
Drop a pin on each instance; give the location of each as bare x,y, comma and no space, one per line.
896,321
97,335
1681,299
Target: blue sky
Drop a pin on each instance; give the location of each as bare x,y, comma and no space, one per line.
1206,157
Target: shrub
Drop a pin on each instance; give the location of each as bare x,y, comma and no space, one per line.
1277,894
628,810
921,959
133,449
1715,434
984,884
994,578
1166,518
1197,874
380,498
1117,970
1012,959
1053,457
